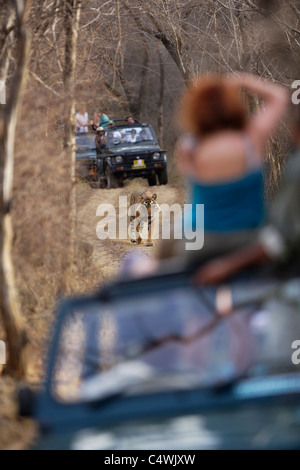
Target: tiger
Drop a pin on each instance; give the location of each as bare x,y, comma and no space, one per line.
139,201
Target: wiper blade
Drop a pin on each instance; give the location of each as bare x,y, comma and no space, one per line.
115,382
138,377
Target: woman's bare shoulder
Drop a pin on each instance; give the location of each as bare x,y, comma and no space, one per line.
221,157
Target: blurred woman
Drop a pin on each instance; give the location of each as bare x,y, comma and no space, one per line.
279,240
222,155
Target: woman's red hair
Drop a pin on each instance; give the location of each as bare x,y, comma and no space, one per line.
212,104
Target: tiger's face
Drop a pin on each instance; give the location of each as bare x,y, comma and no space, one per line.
148,200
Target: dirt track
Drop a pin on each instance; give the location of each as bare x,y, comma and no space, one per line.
108,254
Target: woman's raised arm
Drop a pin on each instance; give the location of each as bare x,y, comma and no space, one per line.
275,102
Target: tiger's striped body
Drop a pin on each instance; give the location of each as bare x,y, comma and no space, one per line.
143,208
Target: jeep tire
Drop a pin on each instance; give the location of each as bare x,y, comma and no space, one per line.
163,176
152,180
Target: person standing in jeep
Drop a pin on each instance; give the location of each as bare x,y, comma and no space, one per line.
104,120
130,120
100,139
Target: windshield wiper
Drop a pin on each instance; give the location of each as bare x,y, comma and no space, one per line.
138,377
116,382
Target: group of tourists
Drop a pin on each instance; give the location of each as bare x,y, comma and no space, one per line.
99,125
100,120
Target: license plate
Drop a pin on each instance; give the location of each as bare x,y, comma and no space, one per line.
138,163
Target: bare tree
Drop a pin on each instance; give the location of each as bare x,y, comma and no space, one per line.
160,119
72,9
9,304
166,22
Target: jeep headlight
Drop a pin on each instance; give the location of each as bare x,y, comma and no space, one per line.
119,159
156,156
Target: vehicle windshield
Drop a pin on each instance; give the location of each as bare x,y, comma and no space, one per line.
85,141
148,343
129,136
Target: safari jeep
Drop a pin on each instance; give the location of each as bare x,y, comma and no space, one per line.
131,151
153,363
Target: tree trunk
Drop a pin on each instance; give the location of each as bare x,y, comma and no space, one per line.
161,99
137,105
10,310
6,45
71,25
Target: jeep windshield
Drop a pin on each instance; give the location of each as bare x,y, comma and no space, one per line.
85,142
153,343
129,136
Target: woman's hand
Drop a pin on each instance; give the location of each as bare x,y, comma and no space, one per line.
275,102
222,268
214,271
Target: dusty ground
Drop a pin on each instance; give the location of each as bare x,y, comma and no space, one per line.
103,261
